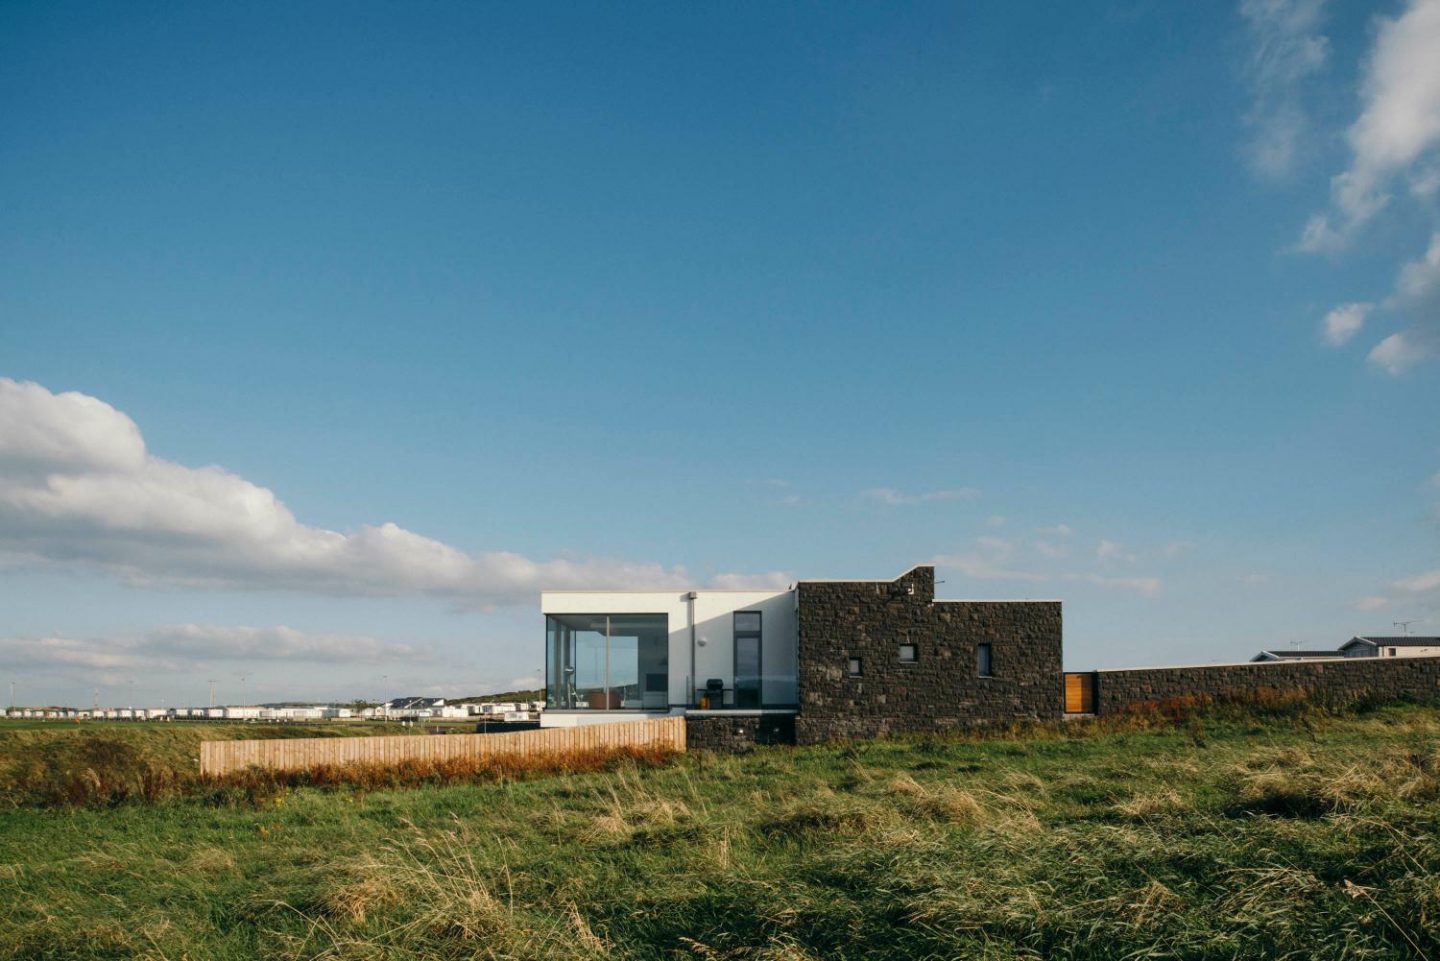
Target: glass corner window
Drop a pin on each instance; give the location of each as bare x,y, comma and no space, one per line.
607,662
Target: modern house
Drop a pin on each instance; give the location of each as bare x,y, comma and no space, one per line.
1390,647
817,660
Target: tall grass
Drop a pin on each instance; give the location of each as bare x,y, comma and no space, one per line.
1288,834
99,764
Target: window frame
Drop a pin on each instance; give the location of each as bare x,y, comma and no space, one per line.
914,652
854,666
984,659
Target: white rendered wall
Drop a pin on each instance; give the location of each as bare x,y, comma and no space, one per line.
714,632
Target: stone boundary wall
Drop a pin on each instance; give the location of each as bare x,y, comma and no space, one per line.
736,735
1338,682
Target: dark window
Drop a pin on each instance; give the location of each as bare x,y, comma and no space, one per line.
982,661
747,658
856,667
907,652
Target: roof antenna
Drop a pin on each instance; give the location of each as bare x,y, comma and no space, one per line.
1403,625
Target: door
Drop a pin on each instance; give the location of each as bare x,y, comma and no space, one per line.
1080,693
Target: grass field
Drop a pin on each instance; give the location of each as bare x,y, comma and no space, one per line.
1228,836
89,762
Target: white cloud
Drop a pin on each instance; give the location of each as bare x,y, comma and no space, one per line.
79,489
1420,583
1394,138
185,648
1178,548
1398,123
1052,551
1140,585
1257,577
1108,550
769,581
1435,479
1417,295
1286,49
207,642
895,498
996,520
1059,530
991,562
1371,602
1399,352
1345,322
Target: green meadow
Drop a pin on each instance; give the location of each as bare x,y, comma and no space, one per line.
1294,833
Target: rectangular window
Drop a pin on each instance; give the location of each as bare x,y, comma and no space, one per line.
982,661
747,658
606,662
1392,652
855,667
907,653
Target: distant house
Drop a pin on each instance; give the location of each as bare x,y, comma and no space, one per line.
1295,655
412,708
408,705
1391,647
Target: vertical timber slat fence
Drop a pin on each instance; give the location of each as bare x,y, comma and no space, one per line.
218,758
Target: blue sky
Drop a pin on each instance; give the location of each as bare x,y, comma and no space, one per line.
1136,305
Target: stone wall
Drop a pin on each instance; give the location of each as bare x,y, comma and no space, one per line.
941,690
735,734
1336,682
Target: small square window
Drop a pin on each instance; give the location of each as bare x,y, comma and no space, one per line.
907,653
856,668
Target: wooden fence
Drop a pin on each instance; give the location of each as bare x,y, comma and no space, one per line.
294,754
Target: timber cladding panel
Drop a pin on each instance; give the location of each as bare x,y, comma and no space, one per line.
218,758
1335,682
863,624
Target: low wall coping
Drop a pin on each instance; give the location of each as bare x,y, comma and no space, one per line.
1307,660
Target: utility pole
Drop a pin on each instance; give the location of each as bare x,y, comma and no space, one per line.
1403,625
94,700
242,689
212,692
12,693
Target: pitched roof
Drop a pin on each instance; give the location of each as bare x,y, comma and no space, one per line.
1396,641
1289,653
408,703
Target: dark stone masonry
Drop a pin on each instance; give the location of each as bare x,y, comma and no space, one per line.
736,734
1336,683
942,687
